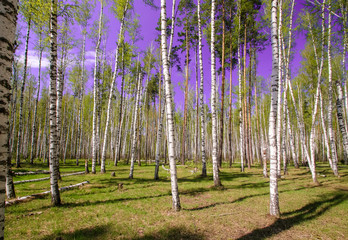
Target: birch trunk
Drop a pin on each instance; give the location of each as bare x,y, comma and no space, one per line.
292,141
230,102
140,120
217,182
80,116
20,125
33,135
341,114
324,132
286,110
60,88
121,116
112,85
316,98
95,95
8,20
159,137
241,125
197,109
14,108
183,142
170,124
279,106
274,199
221,142
135,121
54,169
172,30
329,118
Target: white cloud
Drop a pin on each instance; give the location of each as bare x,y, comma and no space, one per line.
90,62
33,60
90,54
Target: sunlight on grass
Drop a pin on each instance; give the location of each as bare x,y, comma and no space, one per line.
142,208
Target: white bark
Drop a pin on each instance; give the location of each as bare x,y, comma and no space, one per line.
172,30
8,20
280,85
135,121
36,104
316,98
170,124
25,198
331,134
158,140
241,123
80,116
20,125
323,125
46,178
54,169
213,99
95,95
274,199
201,93
112,86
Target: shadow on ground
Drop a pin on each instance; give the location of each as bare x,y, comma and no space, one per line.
104,232
174,233
84,233
306,213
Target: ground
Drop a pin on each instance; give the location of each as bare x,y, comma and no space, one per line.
142,208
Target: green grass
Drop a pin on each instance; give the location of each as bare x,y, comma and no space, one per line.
142,209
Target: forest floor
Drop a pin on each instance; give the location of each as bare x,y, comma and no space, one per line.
142,209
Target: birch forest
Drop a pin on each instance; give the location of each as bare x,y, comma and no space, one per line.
173,119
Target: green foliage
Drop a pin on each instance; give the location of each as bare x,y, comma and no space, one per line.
75,76
83,12
133,30
120,6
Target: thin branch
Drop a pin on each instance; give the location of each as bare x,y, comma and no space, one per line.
320,4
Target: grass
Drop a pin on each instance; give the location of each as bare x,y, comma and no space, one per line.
142,209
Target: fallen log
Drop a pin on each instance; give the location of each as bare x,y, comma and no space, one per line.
37,195
31,173
46,178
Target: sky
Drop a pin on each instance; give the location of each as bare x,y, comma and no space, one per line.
148,17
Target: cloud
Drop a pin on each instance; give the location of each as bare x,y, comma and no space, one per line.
90,62
33,60
90,54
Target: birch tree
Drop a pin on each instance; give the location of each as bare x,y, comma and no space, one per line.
274,199
26,8
95,93
329,117
217,182
201,93
54,169
241,124
8,21
124,12
82,16
135,120
170,125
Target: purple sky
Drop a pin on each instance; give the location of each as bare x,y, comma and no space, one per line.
148,19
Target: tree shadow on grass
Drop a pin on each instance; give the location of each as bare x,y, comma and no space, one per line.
175,233
306,213
226,202
239,199
84,233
